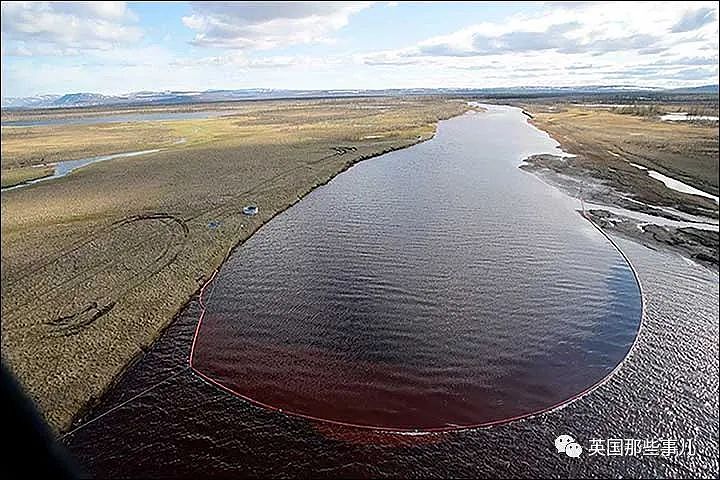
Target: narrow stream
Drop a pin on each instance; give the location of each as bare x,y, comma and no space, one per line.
66,167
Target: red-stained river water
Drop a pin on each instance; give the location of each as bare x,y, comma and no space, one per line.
436,287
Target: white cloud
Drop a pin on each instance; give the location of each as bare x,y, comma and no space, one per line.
589,28
670,44
264,25
65,28
239,60
694,19
675,40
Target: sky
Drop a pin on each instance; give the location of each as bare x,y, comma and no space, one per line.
121,47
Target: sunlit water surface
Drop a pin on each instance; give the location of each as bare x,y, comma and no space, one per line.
459,276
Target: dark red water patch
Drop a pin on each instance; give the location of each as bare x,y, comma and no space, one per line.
412,293
318,384
325,387
191,428
386,439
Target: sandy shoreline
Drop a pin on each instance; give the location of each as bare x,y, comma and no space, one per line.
664,229
644,179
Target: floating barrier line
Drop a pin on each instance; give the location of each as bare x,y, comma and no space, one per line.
375,428
153,387
116,407
202,315
454,428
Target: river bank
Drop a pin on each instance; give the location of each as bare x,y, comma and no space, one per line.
24,175
645,179
660,393
693,235
262,341
202,427
61,169
115,249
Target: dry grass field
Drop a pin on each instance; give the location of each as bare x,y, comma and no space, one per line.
606,143
25,146
28,146
20,175
95,264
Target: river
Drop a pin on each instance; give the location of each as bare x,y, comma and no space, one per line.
66,167
436,287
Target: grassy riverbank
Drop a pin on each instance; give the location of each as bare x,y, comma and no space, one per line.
605,139
96,264
16,176
607,143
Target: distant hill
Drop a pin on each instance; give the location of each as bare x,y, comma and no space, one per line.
707,89
40,101
185,97
82,99
159,98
